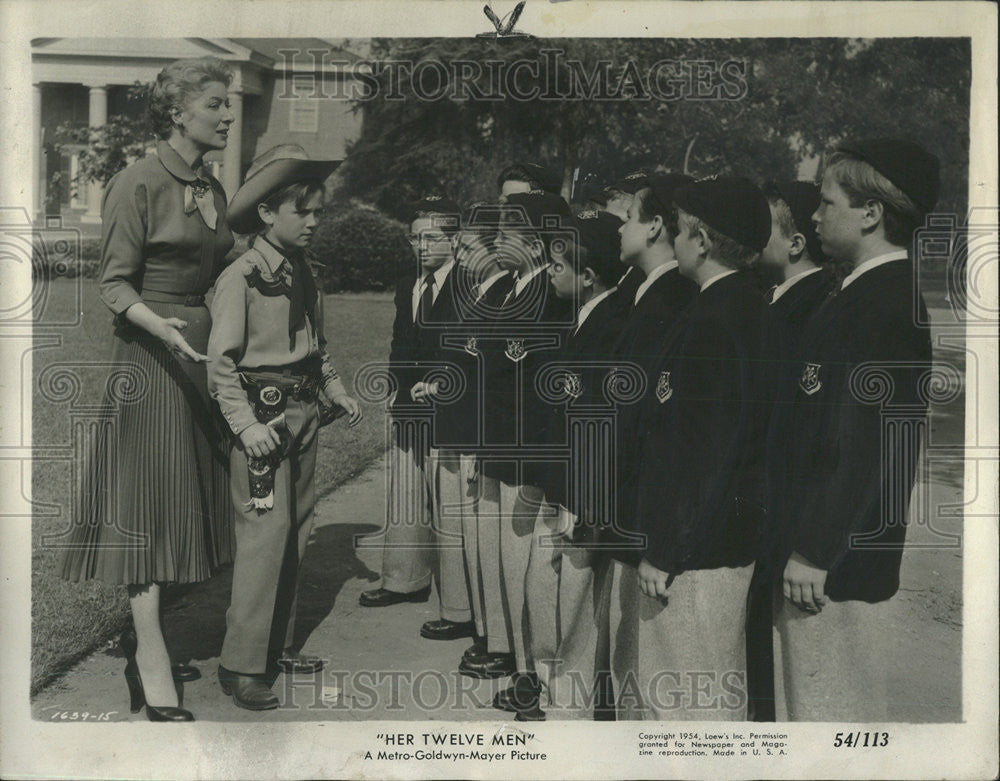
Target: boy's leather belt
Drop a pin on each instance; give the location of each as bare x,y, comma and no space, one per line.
300,380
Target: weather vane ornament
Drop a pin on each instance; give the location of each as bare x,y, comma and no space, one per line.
505,26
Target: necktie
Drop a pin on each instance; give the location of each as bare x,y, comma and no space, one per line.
302,296
771,292
198,195
427,298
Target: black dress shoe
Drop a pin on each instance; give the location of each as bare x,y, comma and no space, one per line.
248,691
382,597
477,651
185,673
533,713
137,696
299,664
523,695
444,629
494,666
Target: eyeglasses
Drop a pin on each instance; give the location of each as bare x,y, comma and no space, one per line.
428,238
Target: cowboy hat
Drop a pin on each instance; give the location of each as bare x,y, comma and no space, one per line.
278,167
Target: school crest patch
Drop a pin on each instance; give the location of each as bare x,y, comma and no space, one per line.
472,346
810,382
573,384
663,389
515,349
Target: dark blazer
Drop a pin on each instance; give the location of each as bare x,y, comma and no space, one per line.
403,347
640,341
696,480
646,324
848,500
785,327
522,339
449,340
590,352
624,294
787,317
460,332
414,343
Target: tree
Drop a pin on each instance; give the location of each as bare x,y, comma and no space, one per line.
107,149
757,107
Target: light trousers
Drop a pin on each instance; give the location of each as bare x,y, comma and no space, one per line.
682,657
270,544
832,665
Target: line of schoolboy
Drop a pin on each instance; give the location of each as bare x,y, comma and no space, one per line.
641,478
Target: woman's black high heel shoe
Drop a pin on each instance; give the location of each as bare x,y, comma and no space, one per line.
182,673
137,697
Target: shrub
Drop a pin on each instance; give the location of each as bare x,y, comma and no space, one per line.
53,257
358,248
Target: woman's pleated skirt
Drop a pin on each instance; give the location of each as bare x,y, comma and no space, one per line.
154,502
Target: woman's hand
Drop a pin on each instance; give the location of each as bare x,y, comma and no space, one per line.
169,332
353,408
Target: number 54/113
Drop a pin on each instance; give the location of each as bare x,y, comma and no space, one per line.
861,739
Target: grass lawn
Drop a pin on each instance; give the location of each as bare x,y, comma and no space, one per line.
71,620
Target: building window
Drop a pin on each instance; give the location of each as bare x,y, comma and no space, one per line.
303,107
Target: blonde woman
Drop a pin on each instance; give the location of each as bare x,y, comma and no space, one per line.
156,508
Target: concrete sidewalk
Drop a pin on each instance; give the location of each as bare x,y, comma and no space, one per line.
379,668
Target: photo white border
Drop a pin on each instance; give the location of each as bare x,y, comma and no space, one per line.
576,750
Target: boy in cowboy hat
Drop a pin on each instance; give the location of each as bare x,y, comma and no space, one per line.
268,367
845,526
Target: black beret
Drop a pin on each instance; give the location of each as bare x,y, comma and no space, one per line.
437,204
598,232
732,205
632,182
542,208
907,165
546,178
594,192
663,188
803,200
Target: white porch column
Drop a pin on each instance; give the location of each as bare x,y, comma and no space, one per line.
231,155
38,173
98,118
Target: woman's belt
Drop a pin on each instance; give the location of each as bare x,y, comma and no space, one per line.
163,297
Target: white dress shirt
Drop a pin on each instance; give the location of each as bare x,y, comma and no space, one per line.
785,286
716,278
522,281
486,284
587,308
875,262
653,275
